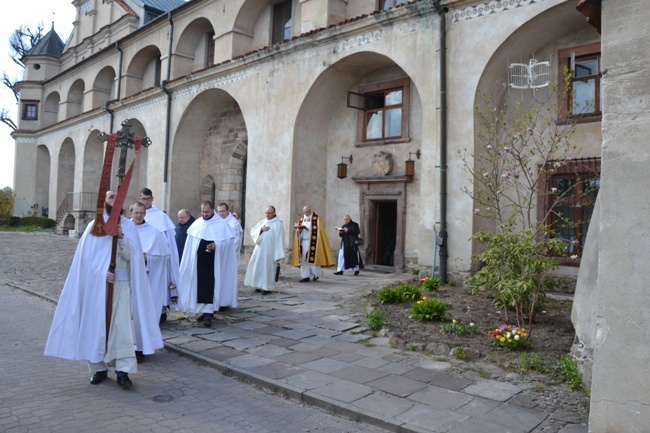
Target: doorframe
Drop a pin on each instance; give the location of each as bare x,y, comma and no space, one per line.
383,189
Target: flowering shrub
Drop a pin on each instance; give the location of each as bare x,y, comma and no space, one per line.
428,310
430,283
458,327
509,336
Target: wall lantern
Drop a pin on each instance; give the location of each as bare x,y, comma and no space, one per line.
410,164
342,167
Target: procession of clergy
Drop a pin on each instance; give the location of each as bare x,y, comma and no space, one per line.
149,276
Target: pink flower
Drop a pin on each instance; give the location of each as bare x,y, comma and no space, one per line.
507,149
477,211
486,174
488,147
516,175
554,190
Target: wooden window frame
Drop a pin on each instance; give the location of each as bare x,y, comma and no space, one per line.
26,104
209,49
277,34
582,169
403,84
565,97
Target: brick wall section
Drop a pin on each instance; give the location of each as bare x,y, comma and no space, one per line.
224,152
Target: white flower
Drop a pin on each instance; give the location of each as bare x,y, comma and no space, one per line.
516,337
471,324
573,257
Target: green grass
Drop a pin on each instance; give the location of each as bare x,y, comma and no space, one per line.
27,229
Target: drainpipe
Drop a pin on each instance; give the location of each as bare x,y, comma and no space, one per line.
442,251
119,73
169,111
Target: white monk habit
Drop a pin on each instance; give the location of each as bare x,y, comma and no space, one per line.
224,258
78,329
158,254
269,250
161,221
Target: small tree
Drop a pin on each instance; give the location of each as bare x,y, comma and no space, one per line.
6,204
520,145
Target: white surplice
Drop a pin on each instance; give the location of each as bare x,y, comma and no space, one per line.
269,250
78,329
217,230
161,221
158,254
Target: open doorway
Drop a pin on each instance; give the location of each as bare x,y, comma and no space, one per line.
384,221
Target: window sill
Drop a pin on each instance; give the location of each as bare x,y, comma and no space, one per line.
590,118
382,142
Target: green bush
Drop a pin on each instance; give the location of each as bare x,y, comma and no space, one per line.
428,310
376,319
459,353
516,267
430,284
46,223
399,294
14,221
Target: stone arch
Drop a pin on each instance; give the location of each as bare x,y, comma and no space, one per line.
68,223
144,70
93,162
43,178
531,38
74,101
326,129
51,109
66,166
253,25
191,51
211,140
104,87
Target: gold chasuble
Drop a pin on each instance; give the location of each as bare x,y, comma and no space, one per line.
320,251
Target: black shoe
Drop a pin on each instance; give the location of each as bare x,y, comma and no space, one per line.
98,377
139,356
258,290
200,318
338,273
267,292
163,318
207,320
305,280
226,308
124,381
315,278
356,272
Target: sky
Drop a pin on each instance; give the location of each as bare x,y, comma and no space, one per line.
30,12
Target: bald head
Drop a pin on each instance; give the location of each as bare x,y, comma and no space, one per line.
307,210
269,212
183,216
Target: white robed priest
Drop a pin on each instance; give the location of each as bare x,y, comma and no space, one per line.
78,329
161,221
208,270
224,212
157,253
268,236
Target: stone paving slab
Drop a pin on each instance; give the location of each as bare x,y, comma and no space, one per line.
359,374
511,416
441,398
384,404
397,385
493,390
344,391
431,418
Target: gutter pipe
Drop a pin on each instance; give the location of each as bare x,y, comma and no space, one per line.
169,111
442,250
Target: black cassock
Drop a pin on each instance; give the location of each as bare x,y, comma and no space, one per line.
204,274
351,257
